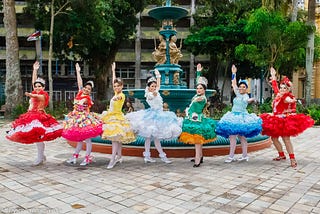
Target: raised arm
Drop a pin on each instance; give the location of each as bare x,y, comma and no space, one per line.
36,67
79,79
199,69
273,73
158,76
234,78
113,68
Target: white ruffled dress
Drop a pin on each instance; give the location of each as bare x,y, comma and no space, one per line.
154,122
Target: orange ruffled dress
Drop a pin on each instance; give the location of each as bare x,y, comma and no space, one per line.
35,125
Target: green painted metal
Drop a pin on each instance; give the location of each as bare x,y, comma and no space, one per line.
220,141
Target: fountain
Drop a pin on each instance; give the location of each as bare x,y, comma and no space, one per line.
174,92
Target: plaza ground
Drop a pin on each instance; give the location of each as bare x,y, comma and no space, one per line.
258,186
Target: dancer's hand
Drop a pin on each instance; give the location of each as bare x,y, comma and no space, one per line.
156,72
234,69
36,65
199,67
273,73
78,69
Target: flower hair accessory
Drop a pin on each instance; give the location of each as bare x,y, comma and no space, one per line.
203,81
40,80
152,79
286,81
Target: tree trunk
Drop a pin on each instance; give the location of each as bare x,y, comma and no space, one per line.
13,88
310,50
294,10
50,57
103,78
138,53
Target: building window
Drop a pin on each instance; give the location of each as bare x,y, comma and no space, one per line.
125,73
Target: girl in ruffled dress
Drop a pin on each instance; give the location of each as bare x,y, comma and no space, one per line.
198,129
36,126
284,122
116,127
154,123
239,122
81,125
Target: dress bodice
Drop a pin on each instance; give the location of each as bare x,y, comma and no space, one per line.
279,106
240,102
116,105
194,111
85,106
154,102
38,105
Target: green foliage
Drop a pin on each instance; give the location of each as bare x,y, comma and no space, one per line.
274,41
219,27
316,46
59,110
265,107
314,112
217,113
94,30
20,109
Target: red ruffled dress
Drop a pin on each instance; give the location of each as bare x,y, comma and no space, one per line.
81,124
35,125
284,122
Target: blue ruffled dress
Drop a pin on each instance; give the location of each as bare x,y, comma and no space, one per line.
239,121
154,122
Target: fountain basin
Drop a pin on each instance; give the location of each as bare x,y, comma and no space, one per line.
162,13
177,149
176,98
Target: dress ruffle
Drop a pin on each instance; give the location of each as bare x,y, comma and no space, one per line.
155,123
117,128
239,123
194,132
81,125
34,127
285,125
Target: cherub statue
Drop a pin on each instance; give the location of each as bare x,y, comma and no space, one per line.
175,52
159,54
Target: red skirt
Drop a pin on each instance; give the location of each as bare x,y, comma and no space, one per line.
285,125
34,127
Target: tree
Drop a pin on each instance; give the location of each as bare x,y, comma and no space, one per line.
274,41
97,29
217,31
310,49
53,13
13,89
46,11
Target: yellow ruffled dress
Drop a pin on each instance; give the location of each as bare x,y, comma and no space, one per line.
116,127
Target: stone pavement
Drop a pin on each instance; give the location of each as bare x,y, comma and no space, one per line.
257,186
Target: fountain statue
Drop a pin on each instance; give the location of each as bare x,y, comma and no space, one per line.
174,92
167,55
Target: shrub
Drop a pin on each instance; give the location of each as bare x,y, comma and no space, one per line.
314,112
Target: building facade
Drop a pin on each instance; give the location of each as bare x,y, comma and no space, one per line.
134,59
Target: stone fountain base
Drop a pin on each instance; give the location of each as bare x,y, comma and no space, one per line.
177,149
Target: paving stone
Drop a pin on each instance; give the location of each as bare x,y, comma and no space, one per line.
258,186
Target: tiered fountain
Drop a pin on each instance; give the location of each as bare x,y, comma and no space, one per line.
174,92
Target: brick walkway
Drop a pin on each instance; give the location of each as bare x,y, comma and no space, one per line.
257,186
